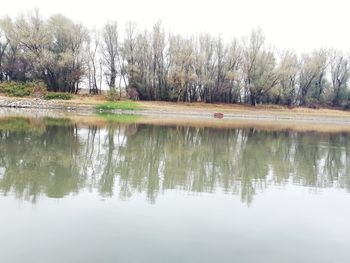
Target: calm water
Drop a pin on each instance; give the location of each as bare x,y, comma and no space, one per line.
142,193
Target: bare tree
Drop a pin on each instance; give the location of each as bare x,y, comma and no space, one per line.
258,67
231,76
312,76
158,48
129,56
3,47
92,51
288,69
340,74
181,72
110,53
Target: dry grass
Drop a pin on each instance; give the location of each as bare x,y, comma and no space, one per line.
89,100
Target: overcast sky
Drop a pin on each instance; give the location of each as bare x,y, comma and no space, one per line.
301,25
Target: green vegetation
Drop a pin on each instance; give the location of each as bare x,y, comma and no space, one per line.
58,96
119,105
22,89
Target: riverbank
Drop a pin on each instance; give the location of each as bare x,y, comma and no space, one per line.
37,103
190,111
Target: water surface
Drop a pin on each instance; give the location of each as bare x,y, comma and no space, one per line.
127,192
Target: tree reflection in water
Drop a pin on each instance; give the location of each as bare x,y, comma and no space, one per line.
55,157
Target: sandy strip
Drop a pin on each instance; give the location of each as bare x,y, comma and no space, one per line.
197,114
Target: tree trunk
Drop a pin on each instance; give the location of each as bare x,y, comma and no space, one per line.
253,99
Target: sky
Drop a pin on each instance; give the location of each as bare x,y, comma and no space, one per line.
299,25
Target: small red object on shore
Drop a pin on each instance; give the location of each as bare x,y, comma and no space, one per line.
218,115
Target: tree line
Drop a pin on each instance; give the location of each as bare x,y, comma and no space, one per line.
158,65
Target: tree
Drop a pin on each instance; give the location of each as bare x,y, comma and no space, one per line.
65,63
340,74
288,69
15,65
312,76
158,63
110,53
49,50
144,58
231,76
206,66
92,53
181,73
3,48
258,68
129,57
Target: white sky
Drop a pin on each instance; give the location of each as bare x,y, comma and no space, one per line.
301,25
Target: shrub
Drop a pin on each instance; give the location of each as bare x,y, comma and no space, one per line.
19,92
22,89
58,96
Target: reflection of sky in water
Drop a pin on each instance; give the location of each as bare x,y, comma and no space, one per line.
281,225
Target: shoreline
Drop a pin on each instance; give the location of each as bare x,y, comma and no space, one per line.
201,111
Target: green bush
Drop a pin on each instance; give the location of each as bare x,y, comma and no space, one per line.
19,92
22,89
58,96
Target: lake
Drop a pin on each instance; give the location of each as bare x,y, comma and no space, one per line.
123,191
